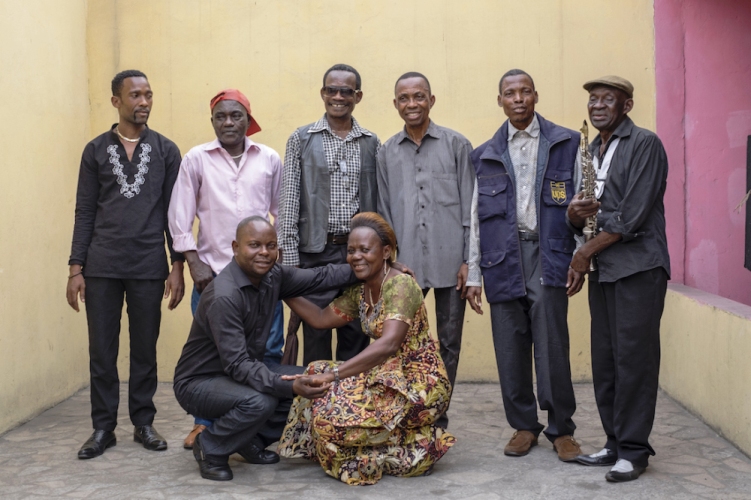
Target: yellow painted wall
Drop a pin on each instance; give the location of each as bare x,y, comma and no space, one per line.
63,54
277,51
43,343
706,341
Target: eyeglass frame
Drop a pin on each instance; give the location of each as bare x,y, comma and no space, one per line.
346,92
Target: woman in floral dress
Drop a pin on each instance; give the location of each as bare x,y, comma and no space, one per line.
379,414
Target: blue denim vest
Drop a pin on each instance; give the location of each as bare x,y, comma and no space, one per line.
496,208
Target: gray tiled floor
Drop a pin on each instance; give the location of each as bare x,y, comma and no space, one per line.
38,460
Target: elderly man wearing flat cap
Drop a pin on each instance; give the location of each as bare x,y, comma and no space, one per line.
222,182
627,289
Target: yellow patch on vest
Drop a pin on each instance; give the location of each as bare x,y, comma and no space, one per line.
558,192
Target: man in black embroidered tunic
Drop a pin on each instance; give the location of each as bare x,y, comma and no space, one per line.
124,187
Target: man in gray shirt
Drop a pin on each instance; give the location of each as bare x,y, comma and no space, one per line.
425,184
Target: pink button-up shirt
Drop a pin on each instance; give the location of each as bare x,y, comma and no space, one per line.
221,194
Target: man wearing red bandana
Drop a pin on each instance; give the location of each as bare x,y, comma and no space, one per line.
221,183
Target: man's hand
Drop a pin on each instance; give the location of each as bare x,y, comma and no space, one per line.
574,282
76,286
474,297
311,386
579,209
175,285
199,271
461,279
580,262
403,269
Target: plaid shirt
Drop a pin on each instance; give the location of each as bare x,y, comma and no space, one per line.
343,159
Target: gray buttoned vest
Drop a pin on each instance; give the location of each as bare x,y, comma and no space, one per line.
315,187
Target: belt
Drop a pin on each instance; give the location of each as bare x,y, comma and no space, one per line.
527,236
337,239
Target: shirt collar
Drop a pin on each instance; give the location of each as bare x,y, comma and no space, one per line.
242,280
215,144
323,124
623,130
433,131
532,129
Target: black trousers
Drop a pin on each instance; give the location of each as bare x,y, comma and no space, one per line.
104,305
239,412
350,339
626,358
537,320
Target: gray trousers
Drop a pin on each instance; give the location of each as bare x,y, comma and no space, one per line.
539,319
350,339
626,358
449,314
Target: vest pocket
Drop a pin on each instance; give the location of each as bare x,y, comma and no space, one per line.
557,188
492,199
562,245
492,258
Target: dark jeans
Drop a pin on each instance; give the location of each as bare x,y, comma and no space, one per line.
537,320
239,412
350,340
626,358
104,306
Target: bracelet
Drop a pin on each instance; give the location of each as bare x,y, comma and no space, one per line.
74,275
336,375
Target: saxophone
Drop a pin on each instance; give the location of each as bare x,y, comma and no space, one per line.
589,177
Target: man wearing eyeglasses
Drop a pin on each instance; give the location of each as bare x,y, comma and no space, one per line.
329,175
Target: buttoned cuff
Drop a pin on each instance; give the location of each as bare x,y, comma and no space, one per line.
184,242
290,257
615,225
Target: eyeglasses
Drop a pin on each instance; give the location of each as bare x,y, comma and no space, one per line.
345,91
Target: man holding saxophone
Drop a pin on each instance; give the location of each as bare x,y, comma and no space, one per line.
632,267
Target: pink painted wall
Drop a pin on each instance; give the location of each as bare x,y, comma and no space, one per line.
703,77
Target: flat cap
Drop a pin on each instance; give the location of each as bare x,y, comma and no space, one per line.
612,81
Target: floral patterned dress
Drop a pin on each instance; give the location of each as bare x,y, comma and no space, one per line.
381,421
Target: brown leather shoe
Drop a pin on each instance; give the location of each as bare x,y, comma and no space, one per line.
191,438
520,444
567,448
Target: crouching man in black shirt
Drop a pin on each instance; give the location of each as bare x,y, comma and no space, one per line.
221,375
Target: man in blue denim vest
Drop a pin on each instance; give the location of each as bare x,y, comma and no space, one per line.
526,176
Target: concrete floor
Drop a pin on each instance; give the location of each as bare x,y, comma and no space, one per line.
38,460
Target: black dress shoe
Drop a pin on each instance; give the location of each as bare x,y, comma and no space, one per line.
213,468
96,444
621,477
255,453
150,438
608,459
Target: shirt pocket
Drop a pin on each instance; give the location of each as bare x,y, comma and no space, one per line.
446,189
557,188
492,196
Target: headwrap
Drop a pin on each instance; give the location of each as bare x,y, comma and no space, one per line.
236,95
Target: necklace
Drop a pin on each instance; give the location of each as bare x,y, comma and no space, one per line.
121,136
377,306
238,156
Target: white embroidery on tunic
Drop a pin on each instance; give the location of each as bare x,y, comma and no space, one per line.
130,190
